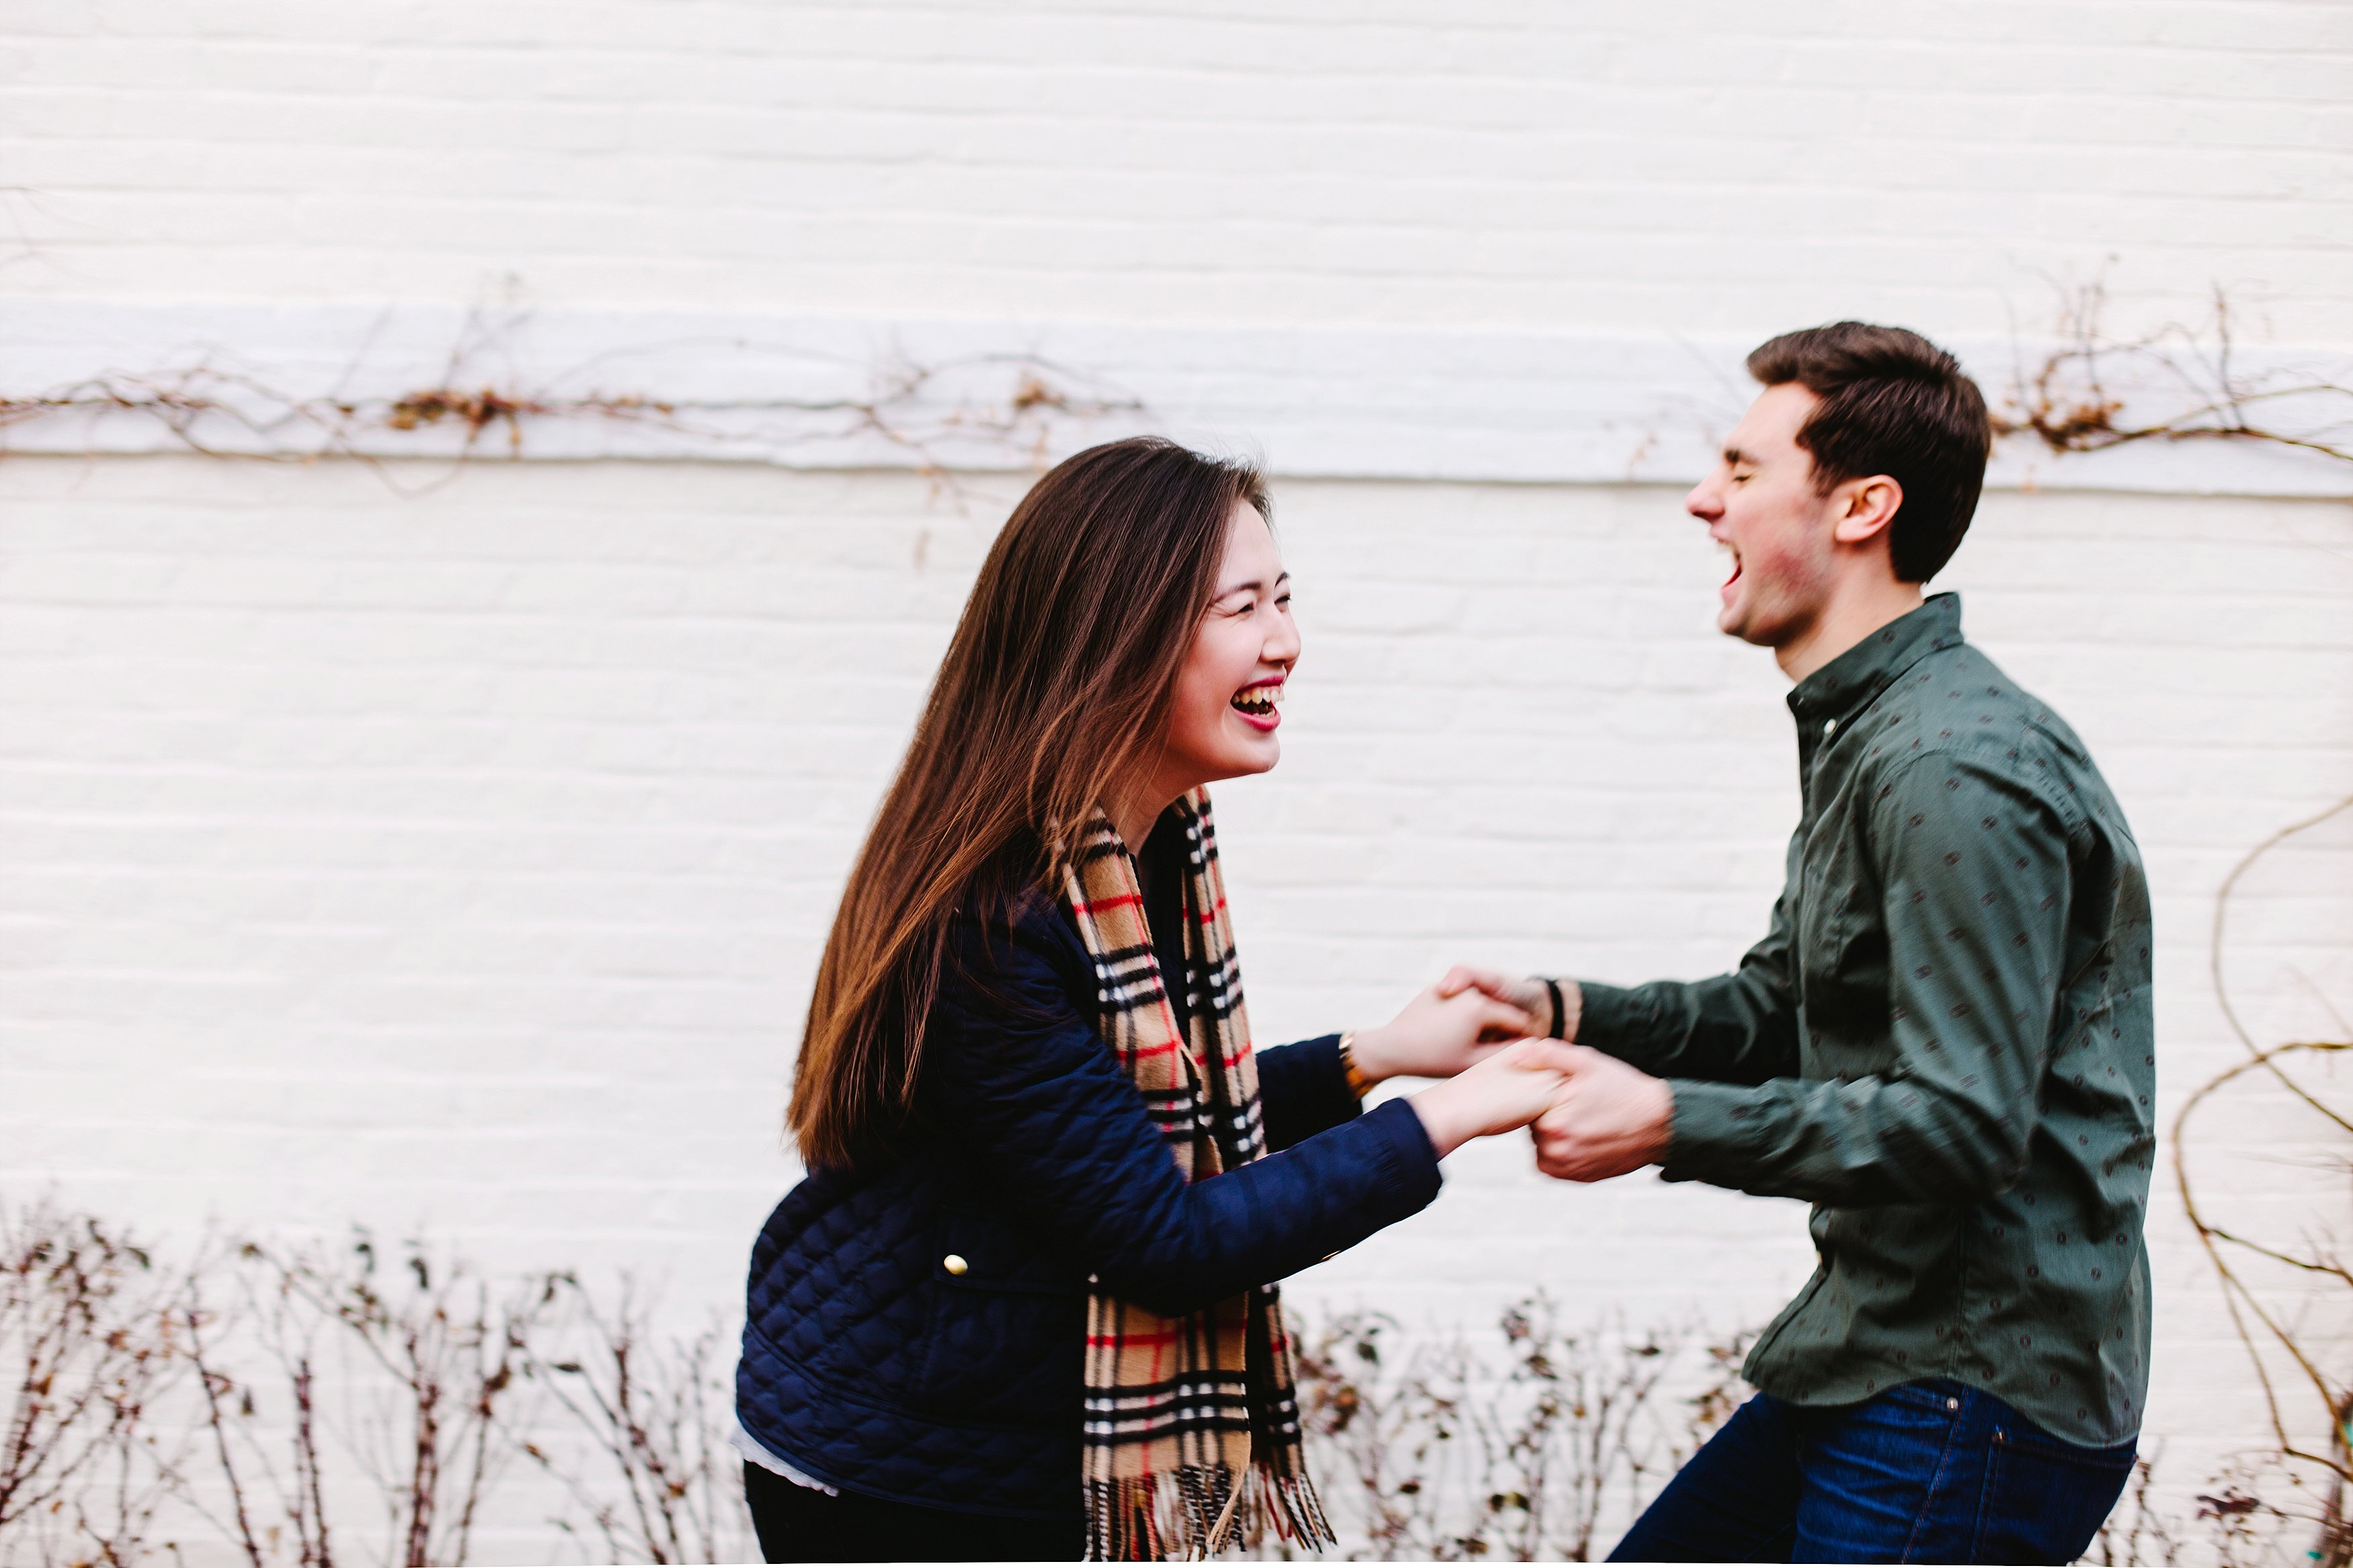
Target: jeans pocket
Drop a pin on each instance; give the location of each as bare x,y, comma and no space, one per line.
1936,1397
2045,1499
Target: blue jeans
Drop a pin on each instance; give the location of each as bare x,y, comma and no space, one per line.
1927,1472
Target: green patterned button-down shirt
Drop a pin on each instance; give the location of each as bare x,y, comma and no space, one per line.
1944,1044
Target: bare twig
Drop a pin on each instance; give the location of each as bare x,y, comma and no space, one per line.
1454,1459
2072,401
87,1347
1011,404
655,1412
2258,1322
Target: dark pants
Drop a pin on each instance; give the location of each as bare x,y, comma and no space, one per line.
1927,1472
801,1525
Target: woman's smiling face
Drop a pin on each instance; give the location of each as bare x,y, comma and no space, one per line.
1222,723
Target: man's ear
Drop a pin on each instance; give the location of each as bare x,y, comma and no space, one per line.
1866,506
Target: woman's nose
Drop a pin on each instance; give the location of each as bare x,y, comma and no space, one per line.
1282,646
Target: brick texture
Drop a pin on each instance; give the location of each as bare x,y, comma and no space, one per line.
453,852
1690,166
459,862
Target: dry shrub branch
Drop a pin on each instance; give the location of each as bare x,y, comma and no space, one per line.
329,1406
88,1346
657,1479
1452,1452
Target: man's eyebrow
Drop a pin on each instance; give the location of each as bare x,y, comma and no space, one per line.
1736,457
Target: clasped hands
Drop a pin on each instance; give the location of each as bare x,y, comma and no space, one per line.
1592,1116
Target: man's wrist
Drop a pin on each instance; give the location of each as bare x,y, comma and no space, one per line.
1663,1129
1714,1132
1360,1081
1565,999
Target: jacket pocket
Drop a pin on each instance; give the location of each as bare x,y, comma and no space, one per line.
1007,1329
978,1252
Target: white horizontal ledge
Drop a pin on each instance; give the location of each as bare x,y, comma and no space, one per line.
307,380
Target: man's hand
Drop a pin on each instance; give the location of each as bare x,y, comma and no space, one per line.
1524,992
1607,1120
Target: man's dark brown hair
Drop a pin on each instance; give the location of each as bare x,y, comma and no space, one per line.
1892,403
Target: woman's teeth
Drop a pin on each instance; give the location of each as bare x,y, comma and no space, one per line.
1259,700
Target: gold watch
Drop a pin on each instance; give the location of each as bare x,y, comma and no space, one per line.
1359,1084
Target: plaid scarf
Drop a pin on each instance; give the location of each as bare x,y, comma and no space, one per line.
1192,1423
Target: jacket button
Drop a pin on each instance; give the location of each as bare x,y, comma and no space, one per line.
954,1264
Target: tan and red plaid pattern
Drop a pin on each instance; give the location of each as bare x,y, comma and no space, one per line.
1192,1423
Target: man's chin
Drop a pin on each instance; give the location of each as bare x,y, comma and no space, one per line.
1740,619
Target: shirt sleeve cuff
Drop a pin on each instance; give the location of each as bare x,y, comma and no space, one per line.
1717,1134
1606,1018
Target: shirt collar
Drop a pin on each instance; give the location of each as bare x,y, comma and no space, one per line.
1871,665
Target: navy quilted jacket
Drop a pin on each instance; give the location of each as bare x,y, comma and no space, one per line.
868,1365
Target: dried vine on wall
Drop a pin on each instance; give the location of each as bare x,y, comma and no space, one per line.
2313,1390
2070,403
2075,399
929,413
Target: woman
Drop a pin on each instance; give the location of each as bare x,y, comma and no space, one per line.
1022,1305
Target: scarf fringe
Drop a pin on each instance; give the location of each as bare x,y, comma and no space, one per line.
1174,1513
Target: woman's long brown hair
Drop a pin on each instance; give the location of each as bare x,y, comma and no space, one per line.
1051,698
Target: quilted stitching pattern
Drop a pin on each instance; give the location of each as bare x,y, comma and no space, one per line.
868,1365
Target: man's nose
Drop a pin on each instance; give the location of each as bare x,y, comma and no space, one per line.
1702,503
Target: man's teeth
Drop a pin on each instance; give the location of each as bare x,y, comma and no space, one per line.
1258,698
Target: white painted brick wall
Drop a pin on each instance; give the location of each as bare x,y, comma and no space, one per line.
459,862
1695,166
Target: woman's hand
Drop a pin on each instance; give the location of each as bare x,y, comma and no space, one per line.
1510,1089
1439,1035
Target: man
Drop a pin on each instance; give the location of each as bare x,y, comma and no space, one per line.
1942,1043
